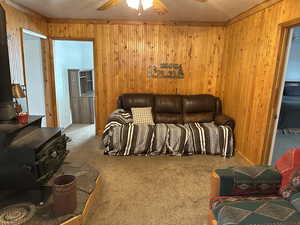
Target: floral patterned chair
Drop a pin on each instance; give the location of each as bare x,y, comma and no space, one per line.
257,195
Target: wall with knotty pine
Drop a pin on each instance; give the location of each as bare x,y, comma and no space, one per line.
236,62
124,52
249,79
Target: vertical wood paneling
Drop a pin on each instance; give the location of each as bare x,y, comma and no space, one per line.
73,31
236,62
249,65
124,53
15,21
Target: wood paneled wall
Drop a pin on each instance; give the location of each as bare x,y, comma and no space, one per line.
123,53
15,21
248,82
236,62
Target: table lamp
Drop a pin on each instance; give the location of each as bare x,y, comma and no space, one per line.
17,93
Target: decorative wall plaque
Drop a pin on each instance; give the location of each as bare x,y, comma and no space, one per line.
165,70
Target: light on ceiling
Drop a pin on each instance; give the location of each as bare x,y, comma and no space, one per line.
137,4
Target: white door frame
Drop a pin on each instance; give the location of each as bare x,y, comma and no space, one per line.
25,76
25,31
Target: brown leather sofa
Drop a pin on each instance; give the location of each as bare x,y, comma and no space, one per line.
179,108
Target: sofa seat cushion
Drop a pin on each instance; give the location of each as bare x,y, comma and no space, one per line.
243,180
254,210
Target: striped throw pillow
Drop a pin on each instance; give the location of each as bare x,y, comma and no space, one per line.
142,115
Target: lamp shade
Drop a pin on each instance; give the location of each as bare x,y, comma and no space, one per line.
17,91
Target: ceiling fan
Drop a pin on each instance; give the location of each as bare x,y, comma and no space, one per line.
141,5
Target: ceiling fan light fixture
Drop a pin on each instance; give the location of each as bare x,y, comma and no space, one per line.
135,4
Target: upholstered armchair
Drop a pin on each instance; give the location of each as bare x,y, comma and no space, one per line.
257,195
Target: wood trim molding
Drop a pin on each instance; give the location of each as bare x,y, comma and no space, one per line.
244,159
23,64
135,22
265,4
291,23
49,79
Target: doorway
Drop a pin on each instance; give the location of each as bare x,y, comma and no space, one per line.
287,132
34,74
74,87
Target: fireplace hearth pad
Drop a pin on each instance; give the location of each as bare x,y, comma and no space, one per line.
88,183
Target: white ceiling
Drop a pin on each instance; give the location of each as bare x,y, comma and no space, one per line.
179,10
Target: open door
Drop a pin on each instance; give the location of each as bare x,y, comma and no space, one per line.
286,134
38,76
34,74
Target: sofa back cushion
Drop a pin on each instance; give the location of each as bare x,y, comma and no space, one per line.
128,101
168,109
199,108
174,108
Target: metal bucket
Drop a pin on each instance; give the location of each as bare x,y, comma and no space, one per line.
64,195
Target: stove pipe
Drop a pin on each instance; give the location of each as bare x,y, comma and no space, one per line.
7,111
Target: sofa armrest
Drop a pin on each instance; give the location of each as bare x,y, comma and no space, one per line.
221,119
244,180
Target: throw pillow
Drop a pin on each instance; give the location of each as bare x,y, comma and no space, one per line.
295,180
287,165
142,115
288,192
293,185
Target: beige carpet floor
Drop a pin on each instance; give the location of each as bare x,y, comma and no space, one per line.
160,190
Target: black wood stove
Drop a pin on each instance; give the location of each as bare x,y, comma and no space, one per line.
29,154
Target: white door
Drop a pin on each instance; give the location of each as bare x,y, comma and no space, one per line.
34,76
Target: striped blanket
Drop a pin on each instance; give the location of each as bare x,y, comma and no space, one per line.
122,137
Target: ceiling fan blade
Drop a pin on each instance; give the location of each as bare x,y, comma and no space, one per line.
201,0
160,7
109,4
